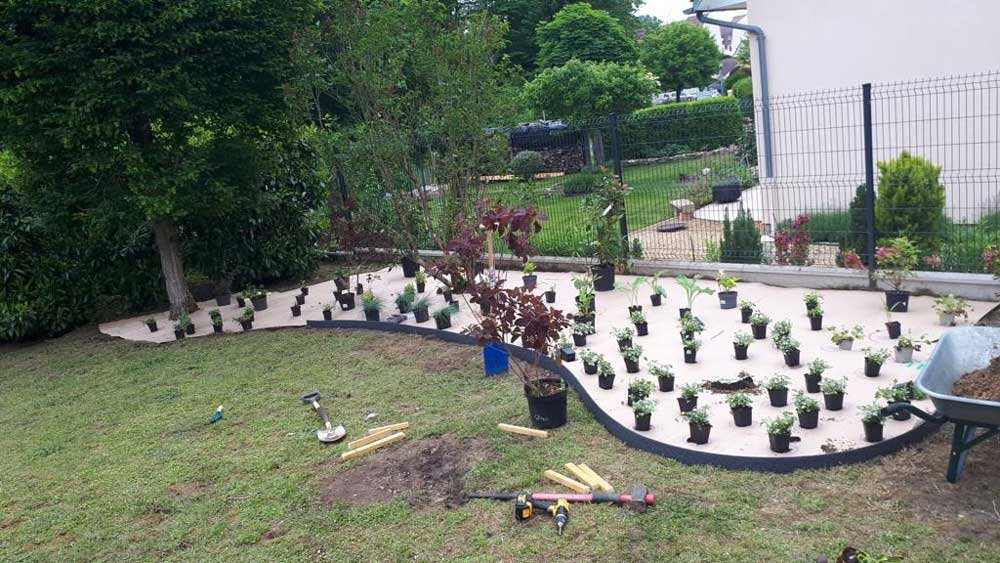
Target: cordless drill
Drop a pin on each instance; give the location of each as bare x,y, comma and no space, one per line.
524,509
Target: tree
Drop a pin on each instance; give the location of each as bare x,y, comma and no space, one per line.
580,32
135,107
910,200
682,55
581,90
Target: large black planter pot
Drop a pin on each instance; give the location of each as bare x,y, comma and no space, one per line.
897,301
346,301
727,299
550,296
901,415
779,397
871,368
410,267
642,329
246,325
745,316
792,358
816,323
687,405
569,355
699,434
656,299
548,411
690,356
421,315
812,382
421,287
604,277
240,302
780,442
759,331
624,344
666,384
894,329
833,402
217,329
580,340
873,431
726,192
189,329
742,416
259,303
606,381
589,369
223,300
631,366
305,290
741,352
809,420
530,282
296,310
152,326
682,312
442,323
372,316
328,315
300,299
642,421
179,334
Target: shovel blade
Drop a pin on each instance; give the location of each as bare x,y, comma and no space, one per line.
332,435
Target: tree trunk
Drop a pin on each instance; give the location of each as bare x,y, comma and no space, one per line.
173,268
677,94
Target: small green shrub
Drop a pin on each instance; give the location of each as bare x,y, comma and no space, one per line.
741,239
582,183
910,200
743,88
526,164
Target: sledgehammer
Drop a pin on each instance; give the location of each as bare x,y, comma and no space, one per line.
638,499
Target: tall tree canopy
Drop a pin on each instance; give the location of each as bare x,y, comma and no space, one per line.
157,108
581,90
580,32
682,55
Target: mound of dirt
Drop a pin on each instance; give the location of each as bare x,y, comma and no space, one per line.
425,472
980,384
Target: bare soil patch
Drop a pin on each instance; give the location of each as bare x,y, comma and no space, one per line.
981,384
184,491
426,473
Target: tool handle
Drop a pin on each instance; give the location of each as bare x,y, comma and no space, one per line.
322,414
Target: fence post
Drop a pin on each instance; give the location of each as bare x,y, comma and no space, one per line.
616,151
866,97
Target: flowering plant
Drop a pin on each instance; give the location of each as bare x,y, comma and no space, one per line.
896,260
850,259
792,244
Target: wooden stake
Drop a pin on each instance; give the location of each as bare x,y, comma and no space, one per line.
566,481
392,427
388,440
369,439
489,252
603,485
582,475
534,433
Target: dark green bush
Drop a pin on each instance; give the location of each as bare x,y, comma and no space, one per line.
743,89
697,126
910,201
741,239
734,77
526,164
582,183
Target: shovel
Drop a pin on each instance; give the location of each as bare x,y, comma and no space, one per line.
329,433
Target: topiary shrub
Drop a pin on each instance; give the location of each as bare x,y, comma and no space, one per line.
910,200
526,164
740,239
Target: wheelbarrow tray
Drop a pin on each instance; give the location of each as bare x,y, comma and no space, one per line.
959,352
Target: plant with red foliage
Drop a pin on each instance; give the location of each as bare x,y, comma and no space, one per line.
792,245
850,259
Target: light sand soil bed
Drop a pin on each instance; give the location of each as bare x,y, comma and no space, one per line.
981,384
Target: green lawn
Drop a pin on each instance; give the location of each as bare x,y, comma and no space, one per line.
107,457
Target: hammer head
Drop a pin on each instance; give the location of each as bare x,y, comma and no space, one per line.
638,501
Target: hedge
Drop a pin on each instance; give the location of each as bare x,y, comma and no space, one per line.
699,126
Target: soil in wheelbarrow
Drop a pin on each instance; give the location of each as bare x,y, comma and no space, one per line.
980,384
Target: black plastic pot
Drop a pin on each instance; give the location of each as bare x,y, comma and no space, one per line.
530,281
624,344
300,299
246,325
666,383
589,369
604,277
447,296
151,325
687,405
780,442
359,288
346,301
741,351
699,434
759,331
327,315
634,308
809,420
894,329
812,382
631,366
873,431
727,299
816,323
484,308
745,316
550,296
589,319
656,299
217,329
606,381
305,290
240,302
548,411
833,402
421,287
296,310
779,397
642,329
259,303
179,334
373,316
642,421
568,355
871,368
742,416
727,192
792,358
682,311
579,339
189,329
690,356
897,301
410,267
403,306
901,415
342,283
421,315
223,300
442,322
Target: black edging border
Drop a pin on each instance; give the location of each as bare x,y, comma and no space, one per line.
640,442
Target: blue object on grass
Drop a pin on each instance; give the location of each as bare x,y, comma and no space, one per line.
496,359
217,416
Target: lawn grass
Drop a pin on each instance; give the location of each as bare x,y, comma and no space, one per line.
107,457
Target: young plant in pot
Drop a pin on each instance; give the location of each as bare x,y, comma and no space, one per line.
631,356
790,349
893,394
585,300
833,392
664,375
874,358
624,337
893,328
185,321
420,310
328,311
639,389
606,207
741,406
215,314
656,298
217,324
300,299
605,374
699,425
341,279
844,337
179,331
873,421
241,299
421,281
905,346
727,290
530,279
258,299
690,326
565,346
632,292
691,292
643,411
346,300
590,360
812,301
895,261
151,325
808,410
580,333
550,294
780,331
442,317
949,308
758,324
688,399
371,304
639,320
404,301
741,342
814,374
746,310
815,318
779,431
691,347
303,288
777,390
246,318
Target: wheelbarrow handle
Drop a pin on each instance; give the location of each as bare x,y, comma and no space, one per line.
907,407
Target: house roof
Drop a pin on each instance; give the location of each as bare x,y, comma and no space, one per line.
715,6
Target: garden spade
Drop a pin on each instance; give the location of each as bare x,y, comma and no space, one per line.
329,433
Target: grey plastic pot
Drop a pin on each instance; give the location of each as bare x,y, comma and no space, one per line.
904,356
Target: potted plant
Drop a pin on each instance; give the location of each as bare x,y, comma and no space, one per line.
605,374
420,310
623,336
585,300
893,394
741,342
529,278
631,356
690,326
404,301
606,207
688,399
779,431
949,308
241,300
894,328
179,331
833,392
639,320
246,318
844,337
442,317
777,390
699,425
727,290
873,421
217,324
565,345
664,375
758,324
303,288
550,294
691,347
185,321
746,309
639,389
643,411
790,348
904,348
341,279
691,291
410,265
780,331
895,261
346,299
371,304
300,299
815,318
224,299
420,278
328,311
812,300
874,360
580,333
656,298
214,314
814,374
590,360
258,299
808,410
151,324
741,405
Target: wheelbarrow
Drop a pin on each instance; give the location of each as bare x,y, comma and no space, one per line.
959,352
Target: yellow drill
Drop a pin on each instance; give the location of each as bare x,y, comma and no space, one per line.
524,509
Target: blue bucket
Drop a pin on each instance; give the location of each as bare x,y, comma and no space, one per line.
496,359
